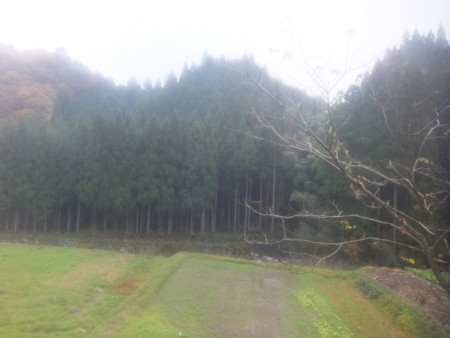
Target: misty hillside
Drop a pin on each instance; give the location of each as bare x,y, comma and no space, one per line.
37,83
78,152
114,128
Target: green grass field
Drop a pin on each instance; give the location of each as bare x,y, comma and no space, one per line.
72,292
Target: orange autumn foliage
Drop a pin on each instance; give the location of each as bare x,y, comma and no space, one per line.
32,82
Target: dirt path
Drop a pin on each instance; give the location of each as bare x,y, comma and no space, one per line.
259,317
231,302
212,297
427,296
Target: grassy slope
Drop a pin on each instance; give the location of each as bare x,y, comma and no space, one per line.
236,299
69,292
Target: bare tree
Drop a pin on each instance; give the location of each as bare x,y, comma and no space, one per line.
415,172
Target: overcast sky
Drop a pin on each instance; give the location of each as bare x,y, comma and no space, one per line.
149,39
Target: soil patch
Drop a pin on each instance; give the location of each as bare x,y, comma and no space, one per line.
107,268
427,296
128,285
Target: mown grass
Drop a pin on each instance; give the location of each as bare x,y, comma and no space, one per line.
72,292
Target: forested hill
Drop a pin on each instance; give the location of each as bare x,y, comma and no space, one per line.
37,83
78,152
131,158
40,84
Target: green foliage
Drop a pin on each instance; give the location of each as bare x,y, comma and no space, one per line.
409,318
112,152
428,274
328,323
369,288
407,322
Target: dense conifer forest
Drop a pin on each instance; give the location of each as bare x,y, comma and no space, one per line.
78,152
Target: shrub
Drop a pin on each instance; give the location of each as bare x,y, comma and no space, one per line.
427,274
368,288
406,322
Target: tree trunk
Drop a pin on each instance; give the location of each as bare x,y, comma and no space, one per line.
246,210
78,216
127,224
235,207
213,214
148,219
203,222
229,213
25,221
68,219
394,235
93,221
274,173
222,207
260,207
34,224
58,220
7,221
434,267
170,224
378,223
105,220
115,227
213,217
15,220
447,246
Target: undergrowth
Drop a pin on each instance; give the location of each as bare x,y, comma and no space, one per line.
153,243
428,274
408,317
369,288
